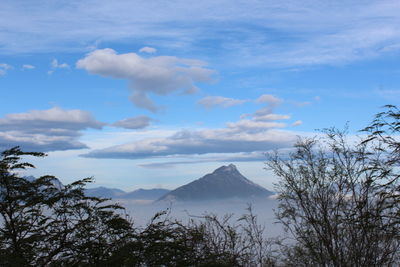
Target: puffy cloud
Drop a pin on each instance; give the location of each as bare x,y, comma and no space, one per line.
269,99
28,67
138,122
46,130
215,101
147,49
3,68
266,112
159,75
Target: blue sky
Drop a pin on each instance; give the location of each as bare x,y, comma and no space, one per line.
156,93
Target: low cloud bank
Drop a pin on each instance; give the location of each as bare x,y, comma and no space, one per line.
46,130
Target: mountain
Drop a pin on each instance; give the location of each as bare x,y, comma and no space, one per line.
143,194
104,192
146,194
224,182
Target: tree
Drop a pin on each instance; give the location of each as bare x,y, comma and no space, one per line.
44,225
339,198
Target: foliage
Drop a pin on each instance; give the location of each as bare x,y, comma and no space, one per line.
43,225
340,199
206,241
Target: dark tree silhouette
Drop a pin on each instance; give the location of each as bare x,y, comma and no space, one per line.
340,198
42,224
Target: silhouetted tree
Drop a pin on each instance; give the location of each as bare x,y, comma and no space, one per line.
205,241
44,225
339,198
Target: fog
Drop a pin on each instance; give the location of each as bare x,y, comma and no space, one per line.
143,211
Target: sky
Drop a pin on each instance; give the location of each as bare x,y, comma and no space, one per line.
143,94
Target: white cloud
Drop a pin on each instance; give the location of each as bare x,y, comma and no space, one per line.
262,112
46,130
138,122
28,67
147,49
56,65
251,125
3,68
215,101
159,75
269,99
271,117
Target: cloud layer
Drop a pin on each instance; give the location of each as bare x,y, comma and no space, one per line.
159,75
315,31
46,130
234,157
253,133
225,140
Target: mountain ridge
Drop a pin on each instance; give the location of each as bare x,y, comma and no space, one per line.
224,182
114,193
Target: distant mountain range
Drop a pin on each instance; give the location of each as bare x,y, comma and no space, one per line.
146,194
143,194
224,182
105,192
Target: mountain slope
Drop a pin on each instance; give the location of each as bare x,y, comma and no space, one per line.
224,182
104,192
145,194
142,194
114,193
